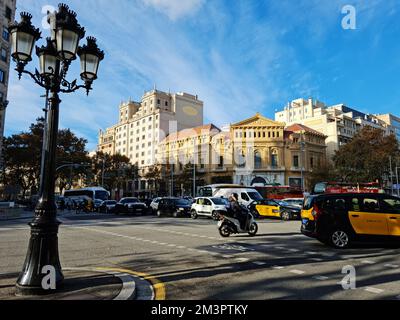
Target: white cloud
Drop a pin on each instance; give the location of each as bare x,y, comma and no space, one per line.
175,9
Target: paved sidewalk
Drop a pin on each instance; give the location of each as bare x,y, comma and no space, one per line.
79,284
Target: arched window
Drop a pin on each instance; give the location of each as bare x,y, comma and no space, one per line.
274,158
241,159
257,160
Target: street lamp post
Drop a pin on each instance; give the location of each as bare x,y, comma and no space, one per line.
302,156
54,60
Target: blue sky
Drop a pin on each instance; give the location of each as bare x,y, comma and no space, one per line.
239,56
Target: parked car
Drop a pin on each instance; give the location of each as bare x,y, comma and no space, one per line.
130,205
96,204
341,219
107,206
208,206
177,207
274,209
154,204
296,202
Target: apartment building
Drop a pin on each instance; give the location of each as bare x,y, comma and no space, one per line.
142,125
7,15
338,122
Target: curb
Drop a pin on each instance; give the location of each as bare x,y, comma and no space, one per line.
128,291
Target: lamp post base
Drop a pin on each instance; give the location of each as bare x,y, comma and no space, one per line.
42,268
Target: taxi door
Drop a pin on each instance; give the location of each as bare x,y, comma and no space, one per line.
391,207
367,218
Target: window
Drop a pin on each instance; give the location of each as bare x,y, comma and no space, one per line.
2,76
4,54
257,160
8,13
274,159
6,34
221,162
391,205
244,196
370,205
296,161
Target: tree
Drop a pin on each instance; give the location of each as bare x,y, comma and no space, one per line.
154,176
365,158
22,157
185,177
116,170
71,150
325,172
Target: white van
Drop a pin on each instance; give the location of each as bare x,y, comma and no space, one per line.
246,195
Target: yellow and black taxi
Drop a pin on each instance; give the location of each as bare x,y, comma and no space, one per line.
270,208
341,219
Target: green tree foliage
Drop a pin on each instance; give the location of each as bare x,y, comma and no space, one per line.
366,157
116,170
22,156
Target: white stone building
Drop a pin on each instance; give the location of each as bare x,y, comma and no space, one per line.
7,15
143,125
338,122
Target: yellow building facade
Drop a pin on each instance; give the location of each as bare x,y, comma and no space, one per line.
255,151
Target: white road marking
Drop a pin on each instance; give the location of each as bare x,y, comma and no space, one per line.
322,278
311,252
316,259
242,259
297,271
293,250
368,262
259,263
278,267
389,265
373,290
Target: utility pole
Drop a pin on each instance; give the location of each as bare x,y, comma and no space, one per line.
194,179
102,172
391,174
397,180
302,157
172,179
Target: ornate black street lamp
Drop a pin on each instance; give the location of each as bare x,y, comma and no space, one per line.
54,60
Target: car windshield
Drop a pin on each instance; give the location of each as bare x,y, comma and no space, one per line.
102,195
131,200
283,203
219,201
182,202
255,196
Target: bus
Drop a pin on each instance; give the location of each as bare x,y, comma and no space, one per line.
94,193
347,187
280,192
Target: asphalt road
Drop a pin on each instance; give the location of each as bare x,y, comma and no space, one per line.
194,262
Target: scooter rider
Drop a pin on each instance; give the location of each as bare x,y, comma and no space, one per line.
237,210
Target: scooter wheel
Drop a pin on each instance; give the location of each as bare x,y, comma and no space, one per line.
224,231
253,229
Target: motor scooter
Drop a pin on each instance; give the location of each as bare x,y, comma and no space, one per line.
228,225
